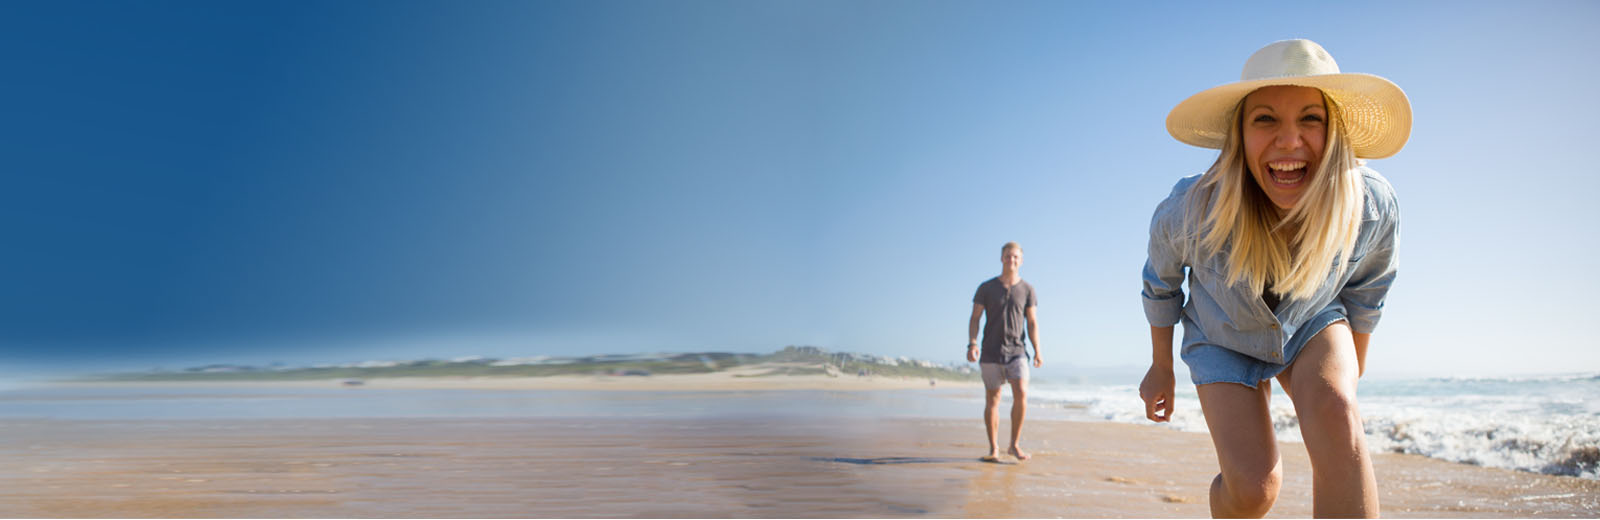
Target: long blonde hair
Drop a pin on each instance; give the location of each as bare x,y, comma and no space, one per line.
1328,215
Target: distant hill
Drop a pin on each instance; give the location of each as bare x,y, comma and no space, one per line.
792,360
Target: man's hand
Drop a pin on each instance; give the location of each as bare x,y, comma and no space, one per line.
1157,392
972,352
1037,361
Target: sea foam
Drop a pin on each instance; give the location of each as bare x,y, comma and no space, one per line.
1548,425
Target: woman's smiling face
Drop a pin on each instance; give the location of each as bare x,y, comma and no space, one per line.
1284,129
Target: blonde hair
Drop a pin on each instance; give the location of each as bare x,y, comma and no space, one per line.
1009,246
1328,215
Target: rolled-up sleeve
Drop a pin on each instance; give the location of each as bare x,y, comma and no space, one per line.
1374,274
1163,269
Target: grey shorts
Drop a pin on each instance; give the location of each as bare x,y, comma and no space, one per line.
995,375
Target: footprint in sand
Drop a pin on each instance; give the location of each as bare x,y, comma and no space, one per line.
1175,499
1122,480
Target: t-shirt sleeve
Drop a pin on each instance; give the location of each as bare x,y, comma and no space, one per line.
1033,298
977,297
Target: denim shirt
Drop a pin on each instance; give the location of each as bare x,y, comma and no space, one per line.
1236,318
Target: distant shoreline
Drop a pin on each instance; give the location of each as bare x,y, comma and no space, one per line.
759,377
796,367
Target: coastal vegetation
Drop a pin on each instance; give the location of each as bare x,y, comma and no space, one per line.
791,360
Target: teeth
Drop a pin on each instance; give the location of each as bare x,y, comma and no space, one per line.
1287,173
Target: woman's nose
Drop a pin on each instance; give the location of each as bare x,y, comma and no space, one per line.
1288,138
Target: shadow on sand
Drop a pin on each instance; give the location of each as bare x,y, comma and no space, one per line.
900,460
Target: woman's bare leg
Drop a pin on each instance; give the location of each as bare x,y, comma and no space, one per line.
1322,385
1247,450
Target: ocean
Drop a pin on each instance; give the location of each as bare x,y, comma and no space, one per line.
1548,425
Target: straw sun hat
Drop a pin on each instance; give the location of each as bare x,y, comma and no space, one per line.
1376,113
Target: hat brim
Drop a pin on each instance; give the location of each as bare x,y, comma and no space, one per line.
1376,112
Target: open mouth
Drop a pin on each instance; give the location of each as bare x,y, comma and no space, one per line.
1287,173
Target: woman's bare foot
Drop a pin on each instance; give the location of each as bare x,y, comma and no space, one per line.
1019,454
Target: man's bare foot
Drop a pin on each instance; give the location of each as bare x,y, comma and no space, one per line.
1019,454
993,456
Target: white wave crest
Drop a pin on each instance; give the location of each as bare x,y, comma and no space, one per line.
1547,425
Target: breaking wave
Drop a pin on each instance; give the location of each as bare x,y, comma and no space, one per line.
1548,425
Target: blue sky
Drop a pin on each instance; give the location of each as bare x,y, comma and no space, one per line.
310,182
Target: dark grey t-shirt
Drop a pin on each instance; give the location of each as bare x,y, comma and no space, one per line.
1005,321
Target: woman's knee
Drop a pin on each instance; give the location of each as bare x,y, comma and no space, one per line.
1254,489
1327,406
1324,380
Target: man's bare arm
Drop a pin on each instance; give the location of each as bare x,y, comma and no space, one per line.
1033,334
972,332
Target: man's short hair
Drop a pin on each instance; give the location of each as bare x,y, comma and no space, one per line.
1009,246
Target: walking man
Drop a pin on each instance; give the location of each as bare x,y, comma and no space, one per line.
1007,301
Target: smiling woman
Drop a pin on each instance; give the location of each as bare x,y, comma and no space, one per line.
1285,128
1289,242
1284,133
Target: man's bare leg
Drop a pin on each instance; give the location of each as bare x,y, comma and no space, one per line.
1019,408
991,421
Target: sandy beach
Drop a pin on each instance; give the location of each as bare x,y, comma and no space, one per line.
733,464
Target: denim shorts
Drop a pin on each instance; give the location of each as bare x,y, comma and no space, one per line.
1215,364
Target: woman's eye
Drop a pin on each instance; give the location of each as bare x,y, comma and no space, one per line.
1312,118
1263,118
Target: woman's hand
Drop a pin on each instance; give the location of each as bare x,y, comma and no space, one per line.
1157,392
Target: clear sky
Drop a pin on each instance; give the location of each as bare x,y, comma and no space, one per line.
311,182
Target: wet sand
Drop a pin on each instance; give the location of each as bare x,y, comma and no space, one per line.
673,467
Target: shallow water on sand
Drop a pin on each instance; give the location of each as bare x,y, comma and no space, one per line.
582,467
562,467
260,452
232,402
